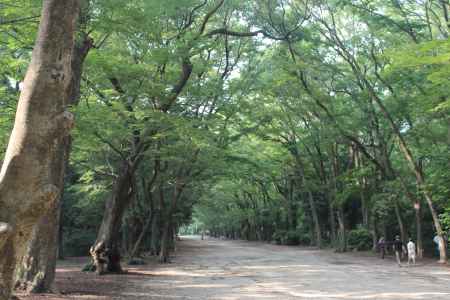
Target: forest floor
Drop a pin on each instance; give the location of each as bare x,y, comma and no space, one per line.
229,270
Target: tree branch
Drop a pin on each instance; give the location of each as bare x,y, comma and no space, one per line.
179,86
208,16
111,145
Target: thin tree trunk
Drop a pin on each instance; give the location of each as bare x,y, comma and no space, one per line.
332,221
33,168
419,236
415,168
367,86
342,231
373,231
401,225
147,187
318,232
362,191
418,216
141,236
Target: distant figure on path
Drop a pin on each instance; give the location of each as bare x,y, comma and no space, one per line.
437,241
411,252
382,246
398,248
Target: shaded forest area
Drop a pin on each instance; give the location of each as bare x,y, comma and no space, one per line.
323,123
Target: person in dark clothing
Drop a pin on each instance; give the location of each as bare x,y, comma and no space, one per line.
398,248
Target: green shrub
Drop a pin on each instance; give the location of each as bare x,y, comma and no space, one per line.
284,237
279,236
305,239
359,239
292,238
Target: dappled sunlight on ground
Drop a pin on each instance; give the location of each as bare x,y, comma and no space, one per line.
232,270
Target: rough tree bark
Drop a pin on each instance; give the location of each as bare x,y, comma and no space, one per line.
33,168
36,271
109,231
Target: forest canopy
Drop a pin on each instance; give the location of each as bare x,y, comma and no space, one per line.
321,123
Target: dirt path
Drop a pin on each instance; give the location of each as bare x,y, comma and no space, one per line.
228,270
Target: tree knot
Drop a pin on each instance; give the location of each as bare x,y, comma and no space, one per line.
69,120
50,193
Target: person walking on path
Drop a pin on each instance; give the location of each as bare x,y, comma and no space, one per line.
398,248
382,246
411,252
437,241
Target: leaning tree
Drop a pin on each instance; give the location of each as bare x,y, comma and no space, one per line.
33,166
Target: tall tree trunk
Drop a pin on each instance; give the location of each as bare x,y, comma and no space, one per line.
332,221
332,197
167,227
415,168
368,87
419,236
61,253
141,236
36,271
317,231
342,234
156,233
109,233
147,187
373,231
125,235
418,215
165,240
33,168
362,183
401,225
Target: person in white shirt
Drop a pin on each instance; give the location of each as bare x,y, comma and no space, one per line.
411,252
